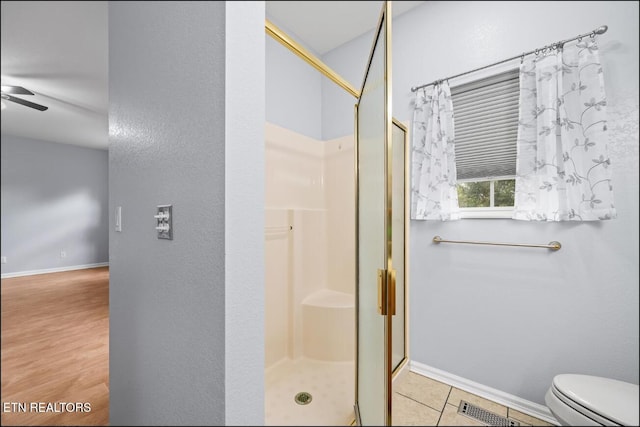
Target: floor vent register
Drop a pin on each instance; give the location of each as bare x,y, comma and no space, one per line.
484,416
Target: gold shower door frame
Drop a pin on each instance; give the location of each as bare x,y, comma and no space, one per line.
375,270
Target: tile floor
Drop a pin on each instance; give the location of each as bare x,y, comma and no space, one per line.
417,400
422,401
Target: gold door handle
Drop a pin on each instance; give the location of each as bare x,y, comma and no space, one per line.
387,292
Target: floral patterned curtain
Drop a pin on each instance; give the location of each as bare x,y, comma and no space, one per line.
563,171
433,181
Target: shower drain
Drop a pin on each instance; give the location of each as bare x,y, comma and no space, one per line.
303,398
484,416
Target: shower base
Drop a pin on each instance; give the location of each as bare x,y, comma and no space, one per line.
331,385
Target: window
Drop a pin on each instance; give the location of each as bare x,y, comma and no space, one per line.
486,199
486,128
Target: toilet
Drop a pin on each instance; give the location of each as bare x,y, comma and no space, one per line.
585,400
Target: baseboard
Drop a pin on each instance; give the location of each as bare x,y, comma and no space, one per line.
525,406
53,270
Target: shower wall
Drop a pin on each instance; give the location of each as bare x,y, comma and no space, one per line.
309,269
339,179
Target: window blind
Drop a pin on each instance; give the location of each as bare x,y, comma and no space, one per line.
486,126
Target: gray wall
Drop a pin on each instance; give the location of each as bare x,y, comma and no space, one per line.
294,91
186,118
301,99
525,314
54,199
349,61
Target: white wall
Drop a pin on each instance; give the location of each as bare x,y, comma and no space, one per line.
512,318
295,260
293,169
244,219
310,185
339,180
304,174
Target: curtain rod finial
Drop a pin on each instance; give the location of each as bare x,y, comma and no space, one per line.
601,30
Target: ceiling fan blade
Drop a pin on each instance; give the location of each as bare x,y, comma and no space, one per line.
16,90
23,102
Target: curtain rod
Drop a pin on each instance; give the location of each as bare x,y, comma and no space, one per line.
600,30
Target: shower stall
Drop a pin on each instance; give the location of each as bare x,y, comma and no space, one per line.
335,245
309,279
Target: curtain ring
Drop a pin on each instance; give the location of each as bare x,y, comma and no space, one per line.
579,39
537,52
522,58
592,35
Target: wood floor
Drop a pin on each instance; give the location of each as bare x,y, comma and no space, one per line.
55,348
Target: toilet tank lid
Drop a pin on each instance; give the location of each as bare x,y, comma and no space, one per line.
612,399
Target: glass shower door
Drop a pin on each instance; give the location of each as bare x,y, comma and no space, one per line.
375,279
399,209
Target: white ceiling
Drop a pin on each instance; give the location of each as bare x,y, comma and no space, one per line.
59,51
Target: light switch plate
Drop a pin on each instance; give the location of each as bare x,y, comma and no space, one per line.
118,218
164,222
4,260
